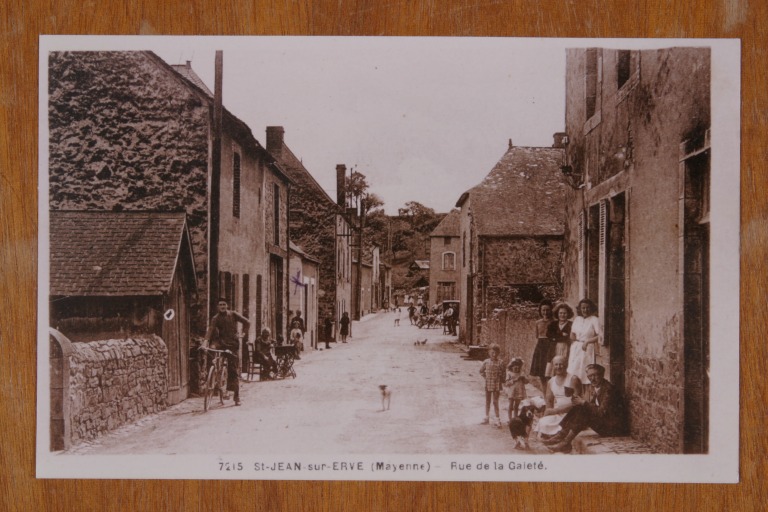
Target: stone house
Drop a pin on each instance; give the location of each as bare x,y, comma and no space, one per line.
637,228
305,276
129,132
320,226
120,288
511,228
445,248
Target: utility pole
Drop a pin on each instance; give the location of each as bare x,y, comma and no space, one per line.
359,290
214,199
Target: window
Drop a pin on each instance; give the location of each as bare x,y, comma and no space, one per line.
446,290
276,203
446,240
591,82
449,261
236,185
623,67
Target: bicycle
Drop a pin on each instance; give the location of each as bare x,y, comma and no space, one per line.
216,381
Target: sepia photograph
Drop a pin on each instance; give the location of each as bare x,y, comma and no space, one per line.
388,258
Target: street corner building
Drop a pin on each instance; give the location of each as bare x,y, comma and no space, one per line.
637,231
511,227
445,247
120,319
130,132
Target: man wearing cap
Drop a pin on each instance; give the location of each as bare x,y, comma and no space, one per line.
601,409
223,333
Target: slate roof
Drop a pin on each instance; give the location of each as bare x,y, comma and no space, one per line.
420,265
301,252
449,226
114,253
522,195
186,71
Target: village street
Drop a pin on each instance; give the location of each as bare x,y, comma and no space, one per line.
333,406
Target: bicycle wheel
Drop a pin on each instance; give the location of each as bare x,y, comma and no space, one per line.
222,383
208,388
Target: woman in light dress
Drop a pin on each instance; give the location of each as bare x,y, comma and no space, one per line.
586,334
560,389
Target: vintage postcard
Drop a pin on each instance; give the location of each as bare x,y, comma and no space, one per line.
369,258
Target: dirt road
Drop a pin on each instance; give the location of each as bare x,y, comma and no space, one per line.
333,406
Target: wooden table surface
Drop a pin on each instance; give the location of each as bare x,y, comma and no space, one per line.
22,21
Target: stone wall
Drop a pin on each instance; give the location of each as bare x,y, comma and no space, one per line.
115,382
631,146
514,330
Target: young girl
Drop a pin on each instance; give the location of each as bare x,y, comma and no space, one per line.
560,330
494,374
297,338
515,386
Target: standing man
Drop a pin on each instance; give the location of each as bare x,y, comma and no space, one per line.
300,320
328,330
450,318
224,335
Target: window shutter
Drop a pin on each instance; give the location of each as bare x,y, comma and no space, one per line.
603,261
582,263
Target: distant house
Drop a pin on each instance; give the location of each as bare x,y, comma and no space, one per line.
130,132
418,274
318,225
638,227
444,267
303,286
511,227
120,274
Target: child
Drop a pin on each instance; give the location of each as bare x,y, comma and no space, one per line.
494,374
296,338
397,317
515,386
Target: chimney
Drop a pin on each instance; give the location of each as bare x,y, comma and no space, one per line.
341,189
510,144
189,64
561,139
275,140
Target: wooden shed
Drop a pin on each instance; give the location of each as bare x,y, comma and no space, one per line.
118,274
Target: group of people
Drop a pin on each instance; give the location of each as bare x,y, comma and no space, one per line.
448,317
558,333
223,334
576,394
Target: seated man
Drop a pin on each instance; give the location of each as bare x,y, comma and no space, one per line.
263,354
601,409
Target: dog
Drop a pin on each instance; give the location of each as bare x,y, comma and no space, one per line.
386,397
520,426
420,342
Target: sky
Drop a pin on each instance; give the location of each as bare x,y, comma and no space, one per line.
424,119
